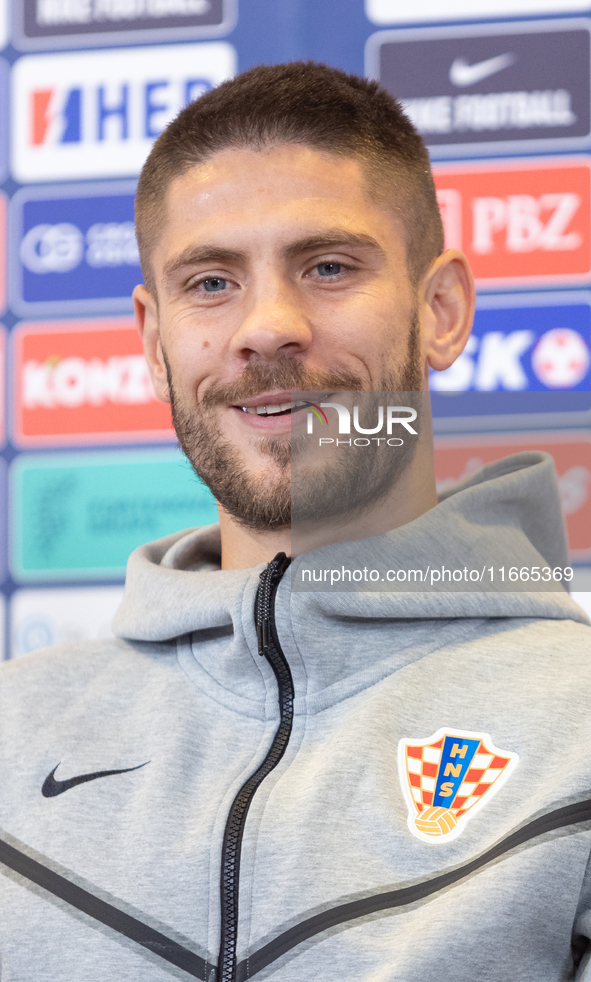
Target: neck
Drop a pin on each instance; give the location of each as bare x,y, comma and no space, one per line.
243,548
413,495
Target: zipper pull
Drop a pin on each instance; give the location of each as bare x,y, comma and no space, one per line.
274,570
265,637
263,608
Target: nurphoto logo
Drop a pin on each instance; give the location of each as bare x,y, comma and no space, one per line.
368,437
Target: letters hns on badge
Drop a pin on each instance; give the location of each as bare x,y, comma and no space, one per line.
447,778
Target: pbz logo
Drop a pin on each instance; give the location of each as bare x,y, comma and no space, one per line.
102,110
520,222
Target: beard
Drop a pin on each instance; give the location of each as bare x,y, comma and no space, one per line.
279,494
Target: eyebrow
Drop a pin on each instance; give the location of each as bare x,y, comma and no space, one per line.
193,255
330,239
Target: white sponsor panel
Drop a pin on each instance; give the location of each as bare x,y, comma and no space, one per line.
581,588
39,618
3,653
395,12
96,114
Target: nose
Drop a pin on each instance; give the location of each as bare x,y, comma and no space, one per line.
275,324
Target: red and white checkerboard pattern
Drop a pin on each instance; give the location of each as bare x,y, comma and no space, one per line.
422,766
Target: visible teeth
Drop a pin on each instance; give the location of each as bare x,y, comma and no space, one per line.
272,410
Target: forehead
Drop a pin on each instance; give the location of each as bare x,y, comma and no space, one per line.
269,196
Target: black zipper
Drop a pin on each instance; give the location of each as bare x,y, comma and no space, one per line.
270,648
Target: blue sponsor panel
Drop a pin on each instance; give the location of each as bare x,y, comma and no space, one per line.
528,355
500,88
73,249
3,537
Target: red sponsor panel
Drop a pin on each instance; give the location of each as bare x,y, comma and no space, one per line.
84,381
2,386
457,458
525,222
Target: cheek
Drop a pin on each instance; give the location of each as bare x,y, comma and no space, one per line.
187,347
372,327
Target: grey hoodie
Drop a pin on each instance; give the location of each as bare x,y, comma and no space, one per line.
398,789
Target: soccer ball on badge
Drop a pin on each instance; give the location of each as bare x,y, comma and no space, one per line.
435,821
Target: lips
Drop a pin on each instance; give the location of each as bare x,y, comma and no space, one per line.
274,409
269,404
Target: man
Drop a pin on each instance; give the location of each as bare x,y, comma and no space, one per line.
257,780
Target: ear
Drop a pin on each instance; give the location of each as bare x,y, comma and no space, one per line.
146,318
448,308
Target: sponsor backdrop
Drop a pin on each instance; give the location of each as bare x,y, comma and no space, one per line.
89,467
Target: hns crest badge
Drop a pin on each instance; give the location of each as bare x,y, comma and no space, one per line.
447,778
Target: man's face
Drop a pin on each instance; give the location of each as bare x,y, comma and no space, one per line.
275,272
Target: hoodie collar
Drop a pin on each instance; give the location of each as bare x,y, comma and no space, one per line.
507,514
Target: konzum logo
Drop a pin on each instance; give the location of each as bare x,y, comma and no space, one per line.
84,381
390,415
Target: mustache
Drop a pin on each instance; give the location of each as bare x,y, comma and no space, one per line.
285,373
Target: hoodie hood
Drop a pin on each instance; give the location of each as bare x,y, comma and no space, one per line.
507,514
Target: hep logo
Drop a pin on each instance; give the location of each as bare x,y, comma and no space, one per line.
108,110
56,116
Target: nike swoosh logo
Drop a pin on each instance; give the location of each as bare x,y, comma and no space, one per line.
463,74
52,787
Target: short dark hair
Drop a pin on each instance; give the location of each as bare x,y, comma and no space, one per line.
304,103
